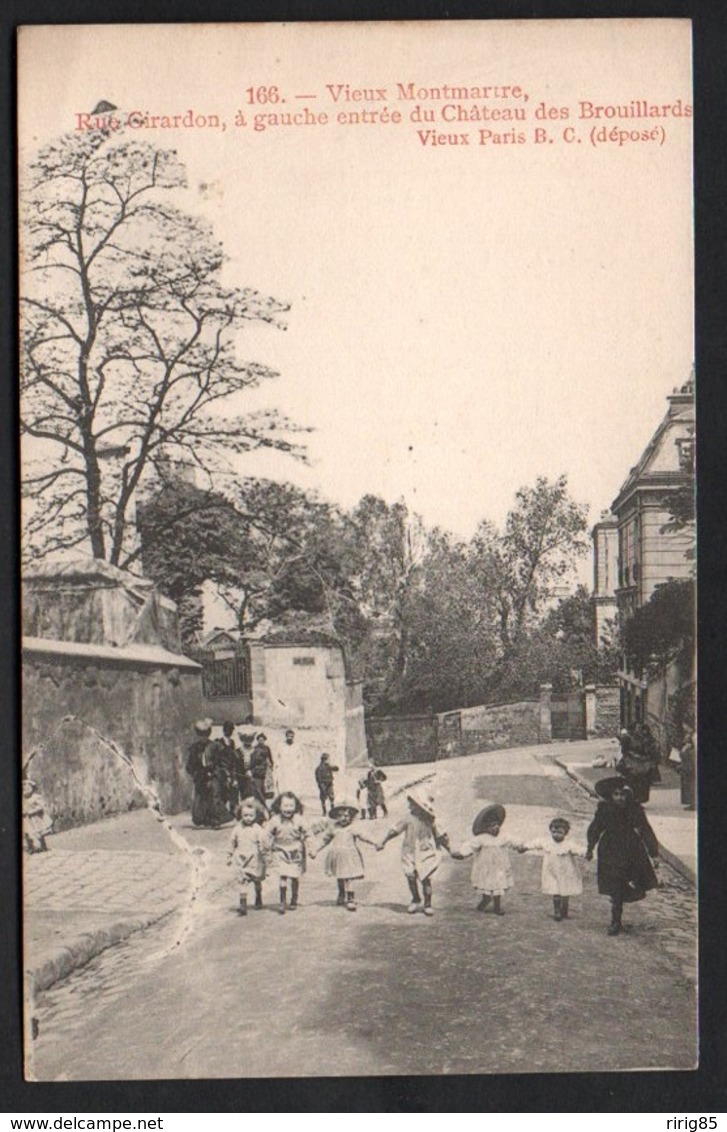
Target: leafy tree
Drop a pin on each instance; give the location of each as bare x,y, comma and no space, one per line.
385,549
544,532
453,646
129,341
559,650
261,547
664,628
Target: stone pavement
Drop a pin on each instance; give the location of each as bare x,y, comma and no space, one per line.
323,992
101,883
95,886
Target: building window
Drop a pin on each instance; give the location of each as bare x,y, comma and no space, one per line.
306,661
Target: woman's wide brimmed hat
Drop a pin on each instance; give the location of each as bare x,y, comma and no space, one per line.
606,786
491,815
423,800
343,807
560,822
203,726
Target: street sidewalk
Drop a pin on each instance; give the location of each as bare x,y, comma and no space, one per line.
675,827
100,883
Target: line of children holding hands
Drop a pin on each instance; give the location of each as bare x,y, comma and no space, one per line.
620,829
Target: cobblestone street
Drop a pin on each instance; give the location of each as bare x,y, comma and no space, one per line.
324,992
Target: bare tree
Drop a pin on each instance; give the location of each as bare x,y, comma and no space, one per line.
129,342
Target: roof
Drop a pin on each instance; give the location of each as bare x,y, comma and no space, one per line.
84,568
679,417
292,636
132,654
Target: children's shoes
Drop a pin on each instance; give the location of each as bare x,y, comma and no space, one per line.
415,906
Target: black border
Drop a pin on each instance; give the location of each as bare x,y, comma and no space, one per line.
701,1091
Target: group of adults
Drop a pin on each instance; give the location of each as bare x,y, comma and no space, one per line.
640,758
224,773
639,761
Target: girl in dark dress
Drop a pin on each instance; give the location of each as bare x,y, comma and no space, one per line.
625,843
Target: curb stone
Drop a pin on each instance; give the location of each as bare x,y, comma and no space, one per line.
671,859
67,958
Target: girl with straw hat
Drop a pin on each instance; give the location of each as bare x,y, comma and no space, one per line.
420,847
491,868
344,860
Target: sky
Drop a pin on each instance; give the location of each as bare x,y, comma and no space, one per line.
463,318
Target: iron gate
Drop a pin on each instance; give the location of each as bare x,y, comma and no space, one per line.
568,715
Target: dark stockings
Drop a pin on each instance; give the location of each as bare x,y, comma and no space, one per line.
617,908
294,885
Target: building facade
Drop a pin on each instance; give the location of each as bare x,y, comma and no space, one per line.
605,575
649,552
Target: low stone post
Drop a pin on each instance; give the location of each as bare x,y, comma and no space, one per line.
545,730
591,703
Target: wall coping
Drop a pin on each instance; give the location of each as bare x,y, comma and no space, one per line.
152,655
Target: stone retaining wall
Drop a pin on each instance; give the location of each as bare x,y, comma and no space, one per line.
147,710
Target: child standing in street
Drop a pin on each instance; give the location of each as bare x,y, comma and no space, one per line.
561,876
491,868
247,849
285,841
324,781
344,860
420,848
625,843
375,791
36,823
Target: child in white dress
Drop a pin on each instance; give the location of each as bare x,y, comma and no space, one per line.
344,860
491,867
247,849
561,877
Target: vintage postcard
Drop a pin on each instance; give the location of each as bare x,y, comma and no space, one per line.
358,441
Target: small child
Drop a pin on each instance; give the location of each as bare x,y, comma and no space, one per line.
324,781
344,860
420,848
375,791
491,868
36,822
561,876
285,841
246,850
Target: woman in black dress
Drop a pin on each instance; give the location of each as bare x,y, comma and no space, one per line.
625,843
